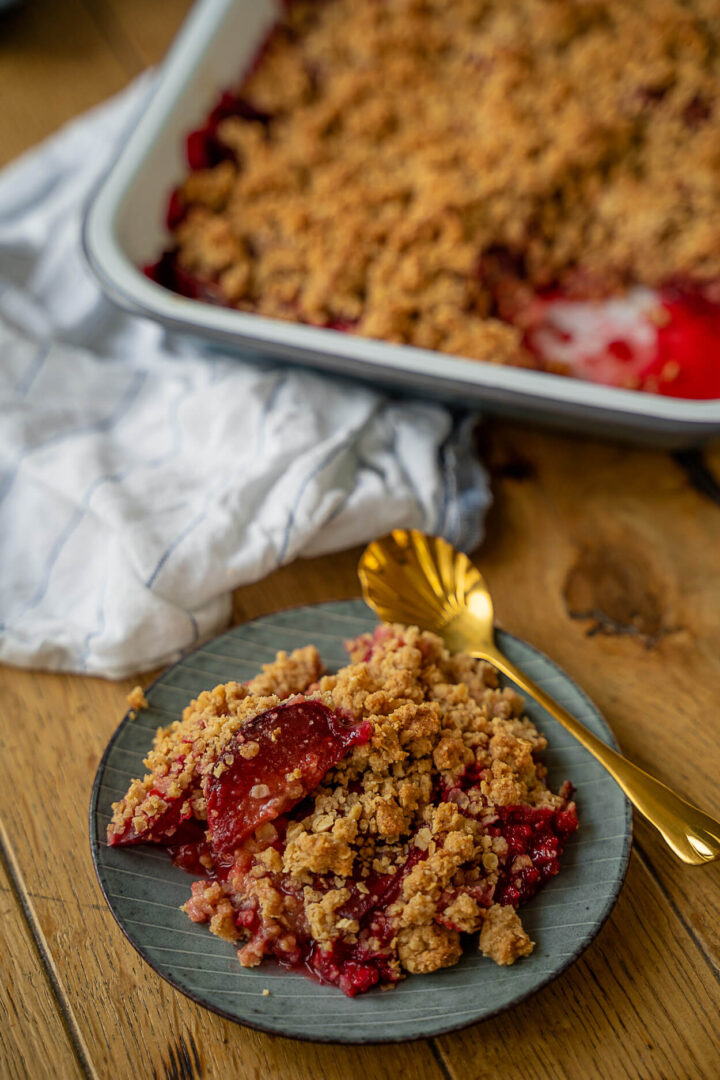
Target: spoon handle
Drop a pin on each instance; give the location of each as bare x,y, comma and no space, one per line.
693,835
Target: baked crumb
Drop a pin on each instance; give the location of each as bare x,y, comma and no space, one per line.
424,813
420,170
502,937
136,699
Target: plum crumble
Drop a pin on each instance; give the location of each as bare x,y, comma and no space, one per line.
355,825
436,172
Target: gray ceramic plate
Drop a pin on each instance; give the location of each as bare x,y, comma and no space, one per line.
144,890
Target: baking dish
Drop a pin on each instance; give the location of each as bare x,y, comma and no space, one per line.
125,229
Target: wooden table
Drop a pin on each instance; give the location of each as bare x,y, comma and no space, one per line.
606,558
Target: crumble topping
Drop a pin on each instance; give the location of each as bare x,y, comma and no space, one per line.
402,804
420,170
502,937
136,699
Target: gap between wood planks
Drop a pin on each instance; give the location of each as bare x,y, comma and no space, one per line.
699,474
45,957
440,1060
644,858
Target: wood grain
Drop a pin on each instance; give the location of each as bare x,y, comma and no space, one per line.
33,1039
612,518
57,60
54,63
608,1016
139,30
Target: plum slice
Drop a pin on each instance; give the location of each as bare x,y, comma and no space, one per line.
271,764
161,814
173,825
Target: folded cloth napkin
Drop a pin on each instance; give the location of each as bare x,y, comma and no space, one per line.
143,477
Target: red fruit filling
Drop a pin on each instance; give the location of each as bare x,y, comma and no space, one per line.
539,833
687,360
168,273
271,764
354,968
672,348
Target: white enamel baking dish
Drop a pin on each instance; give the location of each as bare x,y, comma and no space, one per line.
125,229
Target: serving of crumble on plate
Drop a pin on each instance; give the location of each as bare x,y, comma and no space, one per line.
534,184
355,825
367,825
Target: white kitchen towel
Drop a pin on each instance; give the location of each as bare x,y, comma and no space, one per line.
142,477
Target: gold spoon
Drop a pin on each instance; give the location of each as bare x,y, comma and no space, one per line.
420,580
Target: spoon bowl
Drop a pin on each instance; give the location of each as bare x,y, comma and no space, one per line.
423,581
408,577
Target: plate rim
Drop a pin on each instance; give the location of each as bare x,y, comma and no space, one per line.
364,1040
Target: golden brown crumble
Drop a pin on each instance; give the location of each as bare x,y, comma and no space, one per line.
502,937
136,698
421,833
395,158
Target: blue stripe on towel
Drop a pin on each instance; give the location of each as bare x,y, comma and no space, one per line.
176,543
55,552
30,374
267,407
315,471
100,620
